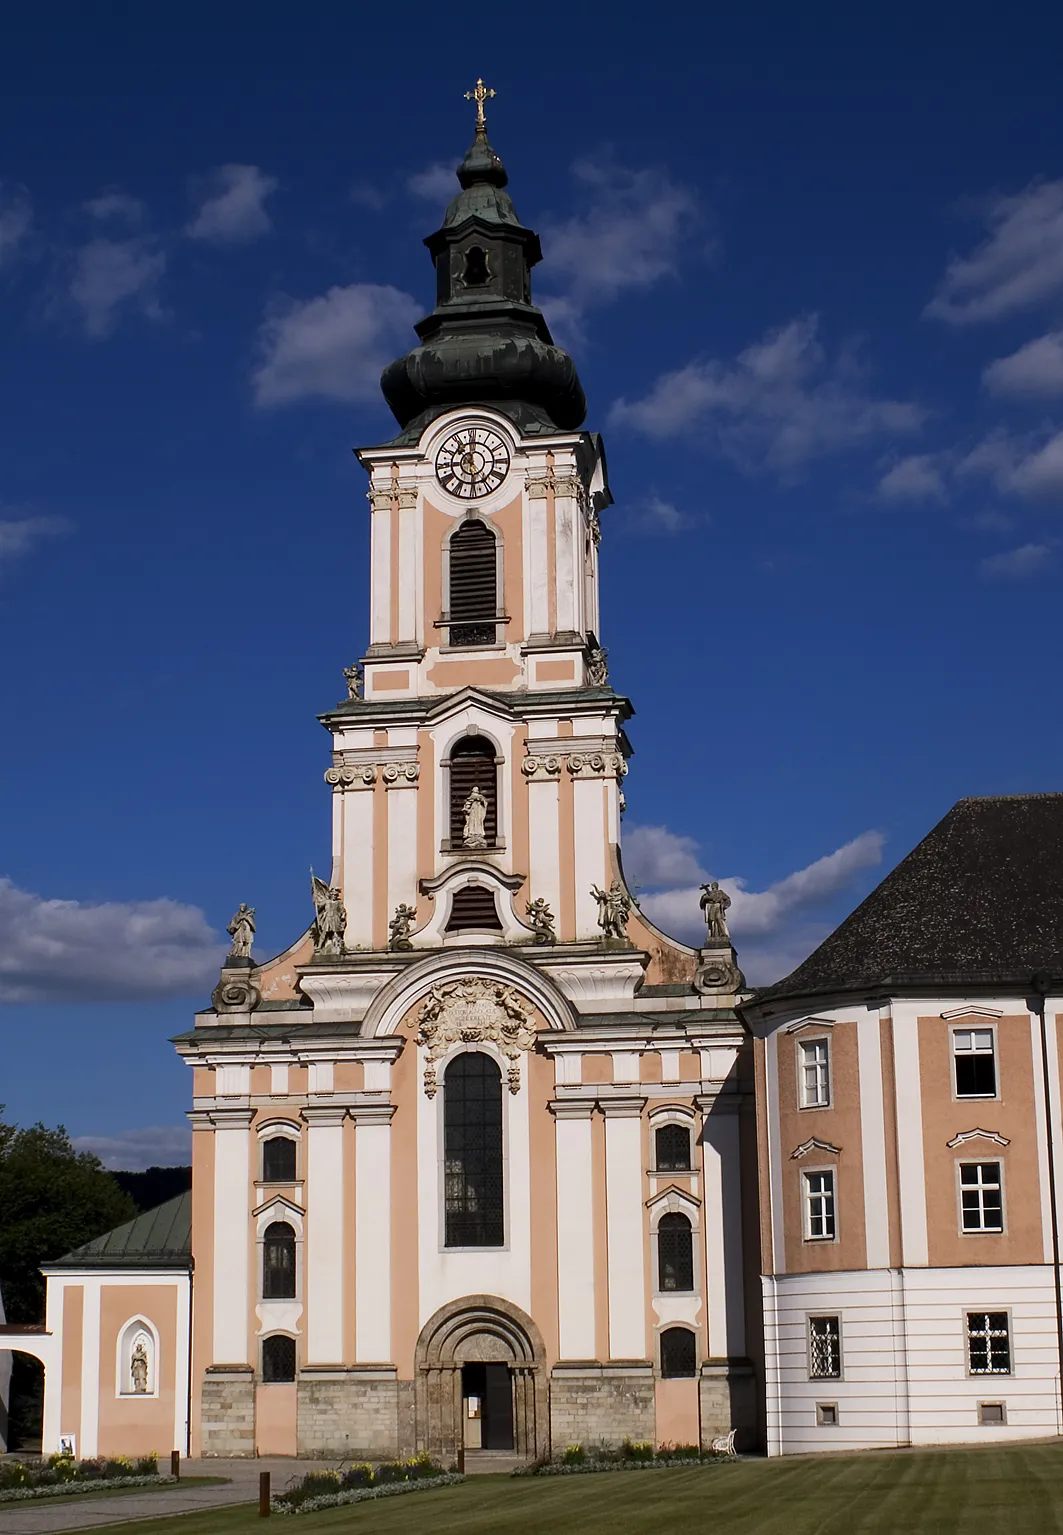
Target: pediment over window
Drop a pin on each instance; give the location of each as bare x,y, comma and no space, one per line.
814,1144
974,1135
675,1199
809,1023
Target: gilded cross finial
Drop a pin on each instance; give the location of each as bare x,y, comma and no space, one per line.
480,93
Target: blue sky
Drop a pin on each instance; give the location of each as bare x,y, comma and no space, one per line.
810,263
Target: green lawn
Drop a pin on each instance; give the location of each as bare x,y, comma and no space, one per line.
1003,1491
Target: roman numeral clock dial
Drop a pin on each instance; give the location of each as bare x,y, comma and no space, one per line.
472,463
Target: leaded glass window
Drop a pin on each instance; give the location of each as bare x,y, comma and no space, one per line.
679,1355
675,1253
824,1348
278,1262
278,1358
278,1159
472,1152
673,1148
988,1343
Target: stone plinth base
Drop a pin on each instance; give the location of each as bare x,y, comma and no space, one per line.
601,1404
228,1410
727,1399
356,1413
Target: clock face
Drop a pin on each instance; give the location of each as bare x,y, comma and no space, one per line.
472,462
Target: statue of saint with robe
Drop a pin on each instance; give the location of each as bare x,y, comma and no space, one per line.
475,812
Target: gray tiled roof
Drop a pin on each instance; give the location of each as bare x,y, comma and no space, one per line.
159,1238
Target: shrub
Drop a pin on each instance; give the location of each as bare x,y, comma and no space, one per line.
358,1476
639,1451
574,1455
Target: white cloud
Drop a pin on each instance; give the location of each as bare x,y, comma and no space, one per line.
436,183
110,276
1036,369
917,478
74,951
1029,465
233,209
115,204
1018,564
19,535
332,347
133,1151
1019,265
628,236
16,216
770,927
779,404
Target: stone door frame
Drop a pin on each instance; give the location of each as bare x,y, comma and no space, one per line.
479,1329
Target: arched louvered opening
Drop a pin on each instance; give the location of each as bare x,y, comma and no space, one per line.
472,766
673,1148
474,908
476,272
473,598
278,1262
675,1253
472,1152
679,1354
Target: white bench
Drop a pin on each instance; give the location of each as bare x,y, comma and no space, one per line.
725,1444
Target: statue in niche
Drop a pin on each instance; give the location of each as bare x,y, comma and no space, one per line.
242,931
614,909
139,1368
475,812
542,920
330,917
714,904
399,927
598,666
352,675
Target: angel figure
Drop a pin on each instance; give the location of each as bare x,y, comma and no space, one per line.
614,909
399,927
330,917
542,921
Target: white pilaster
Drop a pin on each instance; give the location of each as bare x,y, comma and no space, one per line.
544,844
588,816
380,567
408,583
724,1297
873,1139
324,1234
575,1232
372,1233
910,1168
232,1172
89,1439
566,512
536,587
358,866
624,1217
402,845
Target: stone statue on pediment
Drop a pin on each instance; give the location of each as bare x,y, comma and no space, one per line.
330,918
614,909
714,904
242,931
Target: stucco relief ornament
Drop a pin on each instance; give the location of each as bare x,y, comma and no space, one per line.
330,917
138,1368
542,920
399,927
474,1013
475,812
242,931
614,909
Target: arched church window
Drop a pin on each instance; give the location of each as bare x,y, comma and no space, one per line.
278,1262
476,271
675,1253
672,1144
472,766
679,1355
472,605
278,1159
278,1358
472,1152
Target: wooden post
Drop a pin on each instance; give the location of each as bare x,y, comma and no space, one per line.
175,1463
263,1495
461,1459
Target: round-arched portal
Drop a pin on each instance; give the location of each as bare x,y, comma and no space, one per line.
482,1343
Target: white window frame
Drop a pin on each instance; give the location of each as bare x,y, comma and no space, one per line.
278,1129
1005,1311
803,1100
983,1027
806,1175
823,1316
981,1231
685,1119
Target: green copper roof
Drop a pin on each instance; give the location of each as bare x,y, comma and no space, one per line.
159,1238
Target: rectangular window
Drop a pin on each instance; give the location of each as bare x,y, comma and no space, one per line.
981,1196
824,1348
815,1073
827,1414
975,1063
988,1343
992,1414
819,1206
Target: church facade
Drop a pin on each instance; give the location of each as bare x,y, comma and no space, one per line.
486,1161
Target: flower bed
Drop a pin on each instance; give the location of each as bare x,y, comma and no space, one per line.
358,1484
577,1461
62,1475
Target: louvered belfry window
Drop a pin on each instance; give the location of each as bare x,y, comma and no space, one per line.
474,909
472,761
473,598
472,1152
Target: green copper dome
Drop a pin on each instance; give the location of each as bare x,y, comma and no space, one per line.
485,342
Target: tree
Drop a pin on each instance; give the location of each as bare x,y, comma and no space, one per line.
52,1199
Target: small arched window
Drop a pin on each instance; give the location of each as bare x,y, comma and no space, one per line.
278,1262
675,1253
472,1152
278,1358
472,606
472,765
672,1144
278,1159
679,1355
476,272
